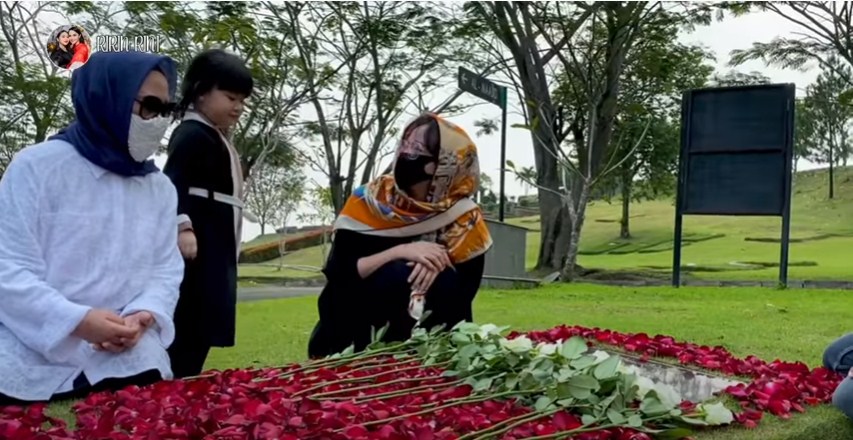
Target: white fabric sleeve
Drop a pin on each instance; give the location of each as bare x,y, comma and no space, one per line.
37,314
160,296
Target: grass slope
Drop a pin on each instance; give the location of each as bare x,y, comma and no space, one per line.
789,325
715,247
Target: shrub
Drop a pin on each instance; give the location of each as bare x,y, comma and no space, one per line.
270,251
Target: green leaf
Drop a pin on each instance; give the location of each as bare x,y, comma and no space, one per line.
652,406
635,421
460,338
564,390
616,417
521,126
693,421
566,402
674,434
511,382
587,419
573,348
510,164
542,403
607,369
469,351
564,374
512,360
584,381
583,362
468,328
581,386
449,373
483,384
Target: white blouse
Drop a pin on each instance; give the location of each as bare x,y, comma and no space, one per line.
74,236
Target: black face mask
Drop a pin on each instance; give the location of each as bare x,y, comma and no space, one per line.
409,172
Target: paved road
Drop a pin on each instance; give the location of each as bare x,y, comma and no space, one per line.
274,292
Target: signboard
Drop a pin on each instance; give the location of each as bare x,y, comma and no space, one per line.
736,157
483,88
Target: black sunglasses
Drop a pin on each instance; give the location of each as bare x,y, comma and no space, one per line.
153,105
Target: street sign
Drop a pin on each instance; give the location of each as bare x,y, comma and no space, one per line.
481,87
484,88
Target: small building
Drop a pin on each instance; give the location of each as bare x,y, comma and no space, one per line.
506,260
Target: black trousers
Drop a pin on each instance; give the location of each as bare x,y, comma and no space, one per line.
348,318
187,357
82,387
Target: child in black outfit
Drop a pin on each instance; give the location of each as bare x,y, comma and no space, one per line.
205,169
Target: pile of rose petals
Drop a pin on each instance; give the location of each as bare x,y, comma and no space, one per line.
18,423
383,398
259,404
776,387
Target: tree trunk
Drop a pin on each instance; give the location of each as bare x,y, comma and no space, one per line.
624,224
263,228
831,166
569,272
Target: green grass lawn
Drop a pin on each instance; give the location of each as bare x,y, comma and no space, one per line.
715,247
785,324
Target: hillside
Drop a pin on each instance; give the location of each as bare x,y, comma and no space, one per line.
734,248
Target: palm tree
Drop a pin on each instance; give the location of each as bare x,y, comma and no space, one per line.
525,176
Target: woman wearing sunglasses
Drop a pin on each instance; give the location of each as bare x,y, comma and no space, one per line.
206,171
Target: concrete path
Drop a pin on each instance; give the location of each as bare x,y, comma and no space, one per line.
274,292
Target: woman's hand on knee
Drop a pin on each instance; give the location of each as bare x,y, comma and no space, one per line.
431,255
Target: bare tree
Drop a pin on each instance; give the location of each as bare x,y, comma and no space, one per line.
275,194
394,54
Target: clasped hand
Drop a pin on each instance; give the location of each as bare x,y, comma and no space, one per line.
107,331
427,260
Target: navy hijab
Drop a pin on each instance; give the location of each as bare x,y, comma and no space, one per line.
103,92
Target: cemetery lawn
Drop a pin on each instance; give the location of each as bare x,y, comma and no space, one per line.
716,248
722,248
786,324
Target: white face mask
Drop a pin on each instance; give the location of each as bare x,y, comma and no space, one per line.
143,139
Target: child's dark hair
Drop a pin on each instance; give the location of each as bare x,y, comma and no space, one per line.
214,68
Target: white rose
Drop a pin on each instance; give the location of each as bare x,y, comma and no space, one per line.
488,329
644,385
548,349
716,413
600,356
668,396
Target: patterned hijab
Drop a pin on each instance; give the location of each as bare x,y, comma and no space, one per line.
449,216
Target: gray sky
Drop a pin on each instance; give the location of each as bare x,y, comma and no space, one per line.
721,38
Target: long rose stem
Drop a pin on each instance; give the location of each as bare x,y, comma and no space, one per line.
445,406
361,378
364,356
381,364
586,428
375,385
407,391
